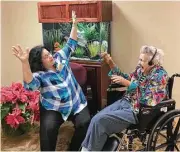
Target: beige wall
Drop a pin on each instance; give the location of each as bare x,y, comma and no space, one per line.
134,24
19,26
152,23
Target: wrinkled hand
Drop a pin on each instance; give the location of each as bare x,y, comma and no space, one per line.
117,79
103,54
107,58
74,17
23,56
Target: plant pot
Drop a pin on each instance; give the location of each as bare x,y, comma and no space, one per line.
12,132
8,131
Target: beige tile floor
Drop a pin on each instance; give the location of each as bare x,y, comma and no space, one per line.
30,141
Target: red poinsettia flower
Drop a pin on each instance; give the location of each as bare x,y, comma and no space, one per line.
23,98
17,86
33,96
33,106
19,91
19,105
7,95
15,119
35,117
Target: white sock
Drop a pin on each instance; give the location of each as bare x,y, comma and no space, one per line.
84,149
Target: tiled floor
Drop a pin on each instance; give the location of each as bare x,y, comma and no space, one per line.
30,141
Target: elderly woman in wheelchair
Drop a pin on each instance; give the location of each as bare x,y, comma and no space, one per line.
146,99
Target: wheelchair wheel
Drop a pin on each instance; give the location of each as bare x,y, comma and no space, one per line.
165,135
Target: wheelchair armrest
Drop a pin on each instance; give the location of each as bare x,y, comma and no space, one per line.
116,87
164,103
115,92
168,102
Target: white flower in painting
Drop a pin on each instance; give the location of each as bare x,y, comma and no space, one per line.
104,45
95,43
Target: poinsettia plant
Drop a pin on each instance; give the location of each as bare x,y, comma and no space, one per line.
18,106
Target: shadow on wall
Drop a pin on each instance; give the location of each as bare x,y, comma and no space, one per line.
123,42
128,35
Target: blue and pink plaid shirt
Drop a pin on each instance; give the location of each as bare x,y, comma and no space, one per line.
59,90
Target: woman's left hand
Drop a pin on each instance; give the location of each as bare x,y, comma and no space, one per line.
117,79
121,80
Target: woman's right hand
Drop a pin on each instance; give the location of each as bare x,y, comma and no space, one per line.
23,56
107,58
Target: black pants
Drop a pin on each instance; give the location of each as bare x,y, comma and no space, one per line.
50,122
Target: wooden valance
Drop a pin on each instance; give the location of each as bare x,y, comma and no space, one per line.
86,11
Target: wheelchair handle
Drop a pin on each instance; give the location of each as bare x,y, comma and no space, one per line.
171,82
175,75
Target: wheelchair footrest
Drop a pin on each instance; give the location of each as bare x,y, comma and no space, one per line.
111,144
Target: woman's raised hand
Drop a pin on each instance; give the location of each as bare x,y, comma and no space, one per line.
23,56
74,17
107,58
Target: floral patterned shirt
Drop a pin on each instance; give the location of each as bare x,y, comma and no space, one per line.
145,89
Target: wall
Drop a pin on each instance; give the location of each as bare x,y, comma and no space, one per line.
134,24
152,23
19,26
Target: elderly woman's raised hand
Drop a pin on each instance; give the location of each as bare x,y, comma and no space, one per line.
23,56
107,58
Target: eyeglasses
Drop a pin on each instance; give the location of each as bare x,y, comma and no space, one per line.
46,56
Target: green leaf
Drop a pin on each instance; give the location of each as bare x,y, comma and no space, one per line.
27,115
94,49
79,52
22,107
4,110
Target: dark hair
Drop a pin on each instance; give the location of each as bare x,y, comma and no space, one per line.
35,59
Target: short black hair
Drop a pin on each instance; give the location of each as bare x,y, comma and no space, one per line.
35,58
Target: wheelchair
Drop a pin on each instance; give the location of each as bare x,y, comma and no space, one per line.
157,129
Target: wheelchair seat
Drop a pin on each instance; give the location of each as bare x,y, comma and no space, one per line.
154,122
148,115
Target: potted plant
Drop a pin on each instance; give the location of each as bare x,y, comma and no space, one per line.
19,109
